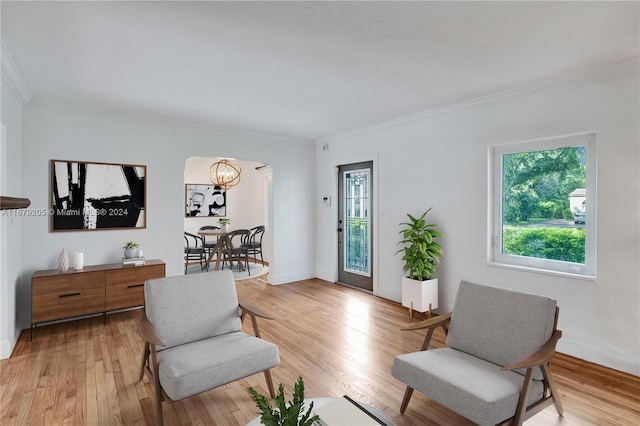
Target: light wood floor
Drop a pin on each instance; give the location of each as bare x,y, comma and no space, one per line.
342,341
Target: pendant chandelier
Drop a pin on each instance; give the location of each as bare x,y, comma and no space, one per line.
225,174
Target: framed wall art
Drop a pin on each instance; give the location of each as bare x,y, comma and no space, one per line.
205,200
97,196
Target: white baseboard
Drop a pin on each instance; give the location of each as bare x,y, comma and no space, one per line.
6,348
327,275
289,278
601,356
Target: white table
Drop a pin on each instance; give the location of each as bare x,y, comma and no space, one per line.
319,402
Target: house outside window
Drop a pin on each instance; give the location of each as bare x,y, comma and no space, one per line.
542,205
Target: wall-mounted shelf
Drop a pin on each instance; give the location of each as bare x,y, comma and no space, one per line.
7,203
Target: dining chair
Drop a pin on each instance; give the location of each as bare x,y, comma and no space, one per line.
209,241
236,249
194,249
254,245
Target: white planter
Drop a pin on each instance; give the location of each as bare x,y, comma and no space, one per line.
130,253
420,294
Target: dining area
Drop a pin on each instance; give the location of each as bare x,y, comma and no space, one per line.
226,215
214,248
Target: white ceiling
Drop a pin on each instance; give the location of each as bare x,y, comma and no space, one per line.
304,69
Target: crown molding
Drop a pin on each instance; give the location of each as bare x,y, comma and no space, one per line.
12,76
591,76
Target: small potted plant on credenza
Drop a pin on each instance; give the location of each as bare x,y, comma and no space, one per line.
132,254
420,254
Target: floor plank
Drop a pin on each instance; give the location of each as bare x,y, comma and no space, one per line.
341,340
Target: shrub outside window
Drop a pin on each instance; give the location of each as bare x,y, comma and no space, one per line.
543,205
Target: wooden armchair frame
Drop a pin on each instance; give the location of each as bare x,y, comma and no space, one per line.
539,358
150,364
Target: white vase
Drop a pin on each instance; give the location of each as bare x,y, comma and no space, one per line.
78,260
63,261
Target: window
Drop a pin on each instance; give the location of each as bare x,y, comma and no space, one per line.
543,205
357,229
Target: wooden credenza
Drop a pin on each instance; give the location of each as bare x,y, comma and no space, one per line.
95,289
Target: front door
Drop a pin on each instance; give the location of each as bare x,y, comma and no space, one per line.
354,225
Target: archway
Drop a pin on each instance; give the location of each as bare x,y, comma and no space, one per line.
246,205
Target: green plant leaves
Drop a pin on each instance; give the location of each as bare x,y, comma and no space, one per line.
420,251
130,244
270,417
284,414
564,244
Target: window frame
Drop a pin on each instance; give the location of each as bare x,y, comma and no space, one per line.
495,257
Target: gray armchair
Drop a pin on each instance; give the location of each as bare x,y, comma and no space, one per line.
495,369
193,338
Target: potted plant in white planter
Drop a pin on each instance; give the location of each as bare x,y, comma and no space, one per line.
420,254
224,223
131,250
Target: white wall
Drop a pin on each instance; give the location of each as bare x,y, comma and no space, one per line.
440,160
58,132
10,223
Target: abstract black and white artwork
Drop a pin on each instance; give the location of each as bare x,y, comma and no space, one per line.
94,196
205,200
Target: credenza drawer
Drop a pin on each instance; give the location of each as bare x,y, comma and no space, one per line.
67,295
124,287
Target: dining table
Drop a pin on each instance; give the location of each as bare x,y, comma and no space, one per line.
222,242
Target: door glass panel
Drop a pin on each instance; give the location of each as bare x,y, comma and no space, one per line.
357,225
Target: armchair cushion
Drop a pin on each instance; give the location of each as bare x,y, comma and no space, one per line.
202,314
498,325
460,381
187,370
